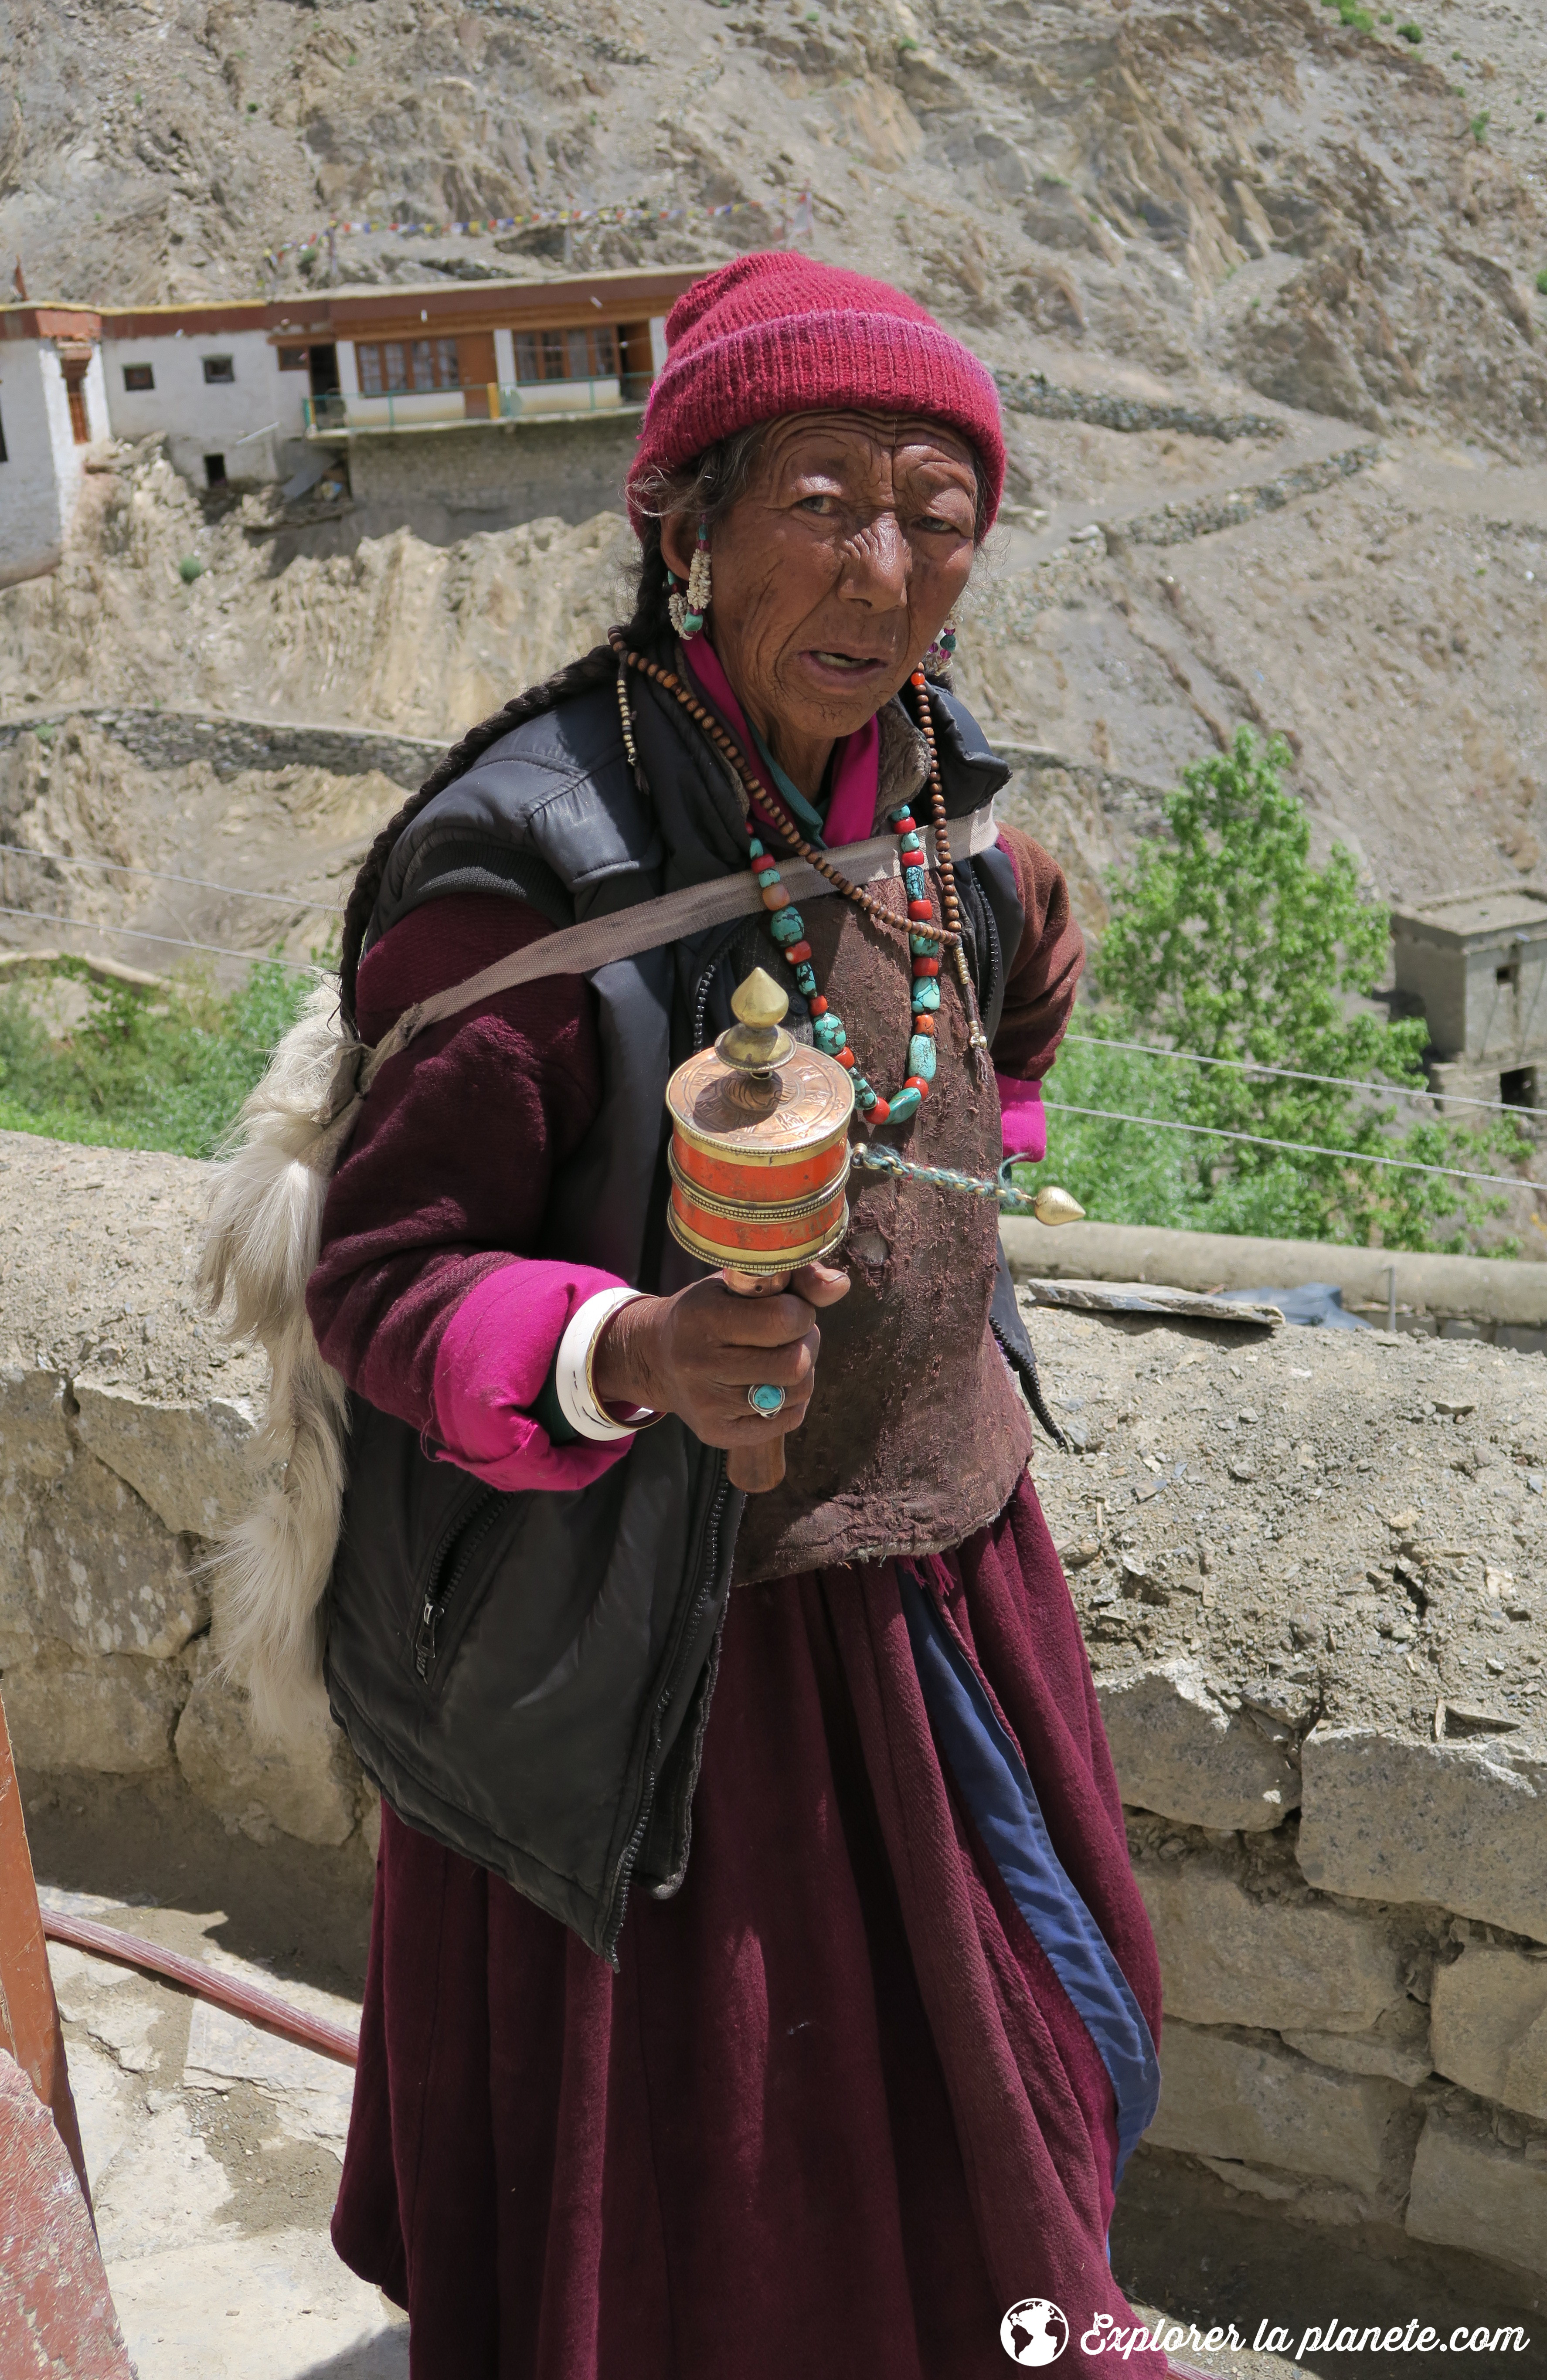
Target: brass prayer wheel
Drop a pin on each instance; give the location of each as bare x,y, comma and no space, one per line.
759,1144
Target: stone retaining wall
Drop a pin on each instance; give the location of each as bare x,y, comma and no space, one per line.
1312,1570
125,1426
173,739
1034,393
448,484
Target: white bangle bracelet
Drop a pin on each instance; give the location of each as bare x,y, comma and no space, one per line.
577,1397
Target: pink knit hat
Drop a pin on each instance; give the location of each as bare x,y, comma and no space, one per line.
778,334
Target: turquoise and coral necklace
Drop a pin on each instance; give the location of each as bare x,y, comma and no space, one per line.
926,939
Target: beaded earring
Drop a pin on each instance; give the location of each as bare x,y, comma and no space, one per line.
687,610
937,661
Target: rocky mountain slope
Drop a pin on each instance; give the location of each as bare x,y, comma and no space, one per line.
1255,191
1246,189
1260,288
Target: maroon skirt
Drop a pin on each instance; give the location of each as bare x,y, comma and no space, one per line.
835,2114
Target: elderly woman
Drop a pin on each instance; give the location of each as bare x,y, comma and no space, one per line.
836,2094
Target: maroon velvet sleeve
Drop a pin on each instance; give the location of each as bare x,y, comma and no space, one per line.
448,1176
1045,973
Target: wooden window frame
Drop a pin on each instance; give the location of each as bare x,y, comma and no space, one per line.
549,354
423,367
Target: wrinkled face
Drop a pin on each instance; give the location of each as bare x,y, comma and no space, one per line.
836,569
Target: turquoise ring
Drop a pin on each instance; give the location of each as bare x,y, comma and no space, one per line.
766,1400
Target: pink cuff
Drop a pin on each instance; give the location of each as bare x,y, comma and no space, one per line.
494,1358
1022,1118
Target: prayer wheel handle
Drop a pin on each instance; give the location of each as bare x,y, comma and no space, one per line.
754,1044
758,1159
756,1468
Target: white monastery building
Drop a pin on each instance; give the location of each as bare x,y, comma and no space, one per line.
253,391
53,404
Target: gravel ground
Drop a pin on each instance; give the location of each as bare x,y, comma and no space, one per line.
213,2151
119,1231
1339,1525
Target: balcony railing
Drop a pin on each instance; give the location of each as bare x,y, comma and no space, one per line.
444,409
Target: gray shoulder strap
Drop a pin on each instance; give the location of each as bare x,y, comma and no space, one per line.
580,949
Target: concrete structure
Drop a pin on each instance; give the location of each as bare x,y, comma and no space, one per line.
492,350
1445,1297
488,474
1475,965
53,403
479,406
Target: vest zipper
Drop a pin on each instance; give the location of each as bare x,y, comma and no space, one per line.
700,1000
618,1908
470,1530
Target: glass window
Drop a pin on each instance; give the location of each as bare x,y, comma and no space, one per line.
369,360
424,364
395,368
447,372
220,370
138,376
293,359
584,354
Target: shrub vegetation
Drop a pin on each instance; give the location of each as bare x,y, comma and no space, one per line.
144,1069
1225,940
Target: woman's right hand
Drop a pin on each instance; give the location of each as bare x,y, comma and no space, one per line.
696,1355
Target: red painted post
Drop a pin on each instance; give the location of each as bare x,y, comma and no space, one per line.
55,2309
29,2013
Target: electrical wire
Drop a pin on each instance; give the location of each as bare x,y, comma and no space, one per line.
213,950
162,876
1294,1073
1298,1148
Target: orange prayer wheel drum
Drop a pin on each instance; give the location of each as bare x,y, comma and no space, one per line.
759,1144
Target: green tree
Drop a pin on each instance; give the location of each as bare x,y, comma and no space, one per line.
1225,942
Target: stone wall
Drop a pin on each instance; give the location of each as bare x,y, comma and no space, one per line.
1312,1570
444,485
126,1424
229,747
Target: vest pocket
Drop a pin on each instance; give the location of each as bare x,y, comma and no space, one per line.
445,1596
